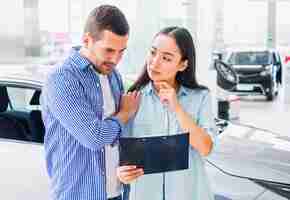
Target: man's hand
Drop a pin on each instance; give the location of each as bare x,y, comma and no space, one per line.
128,106
128,174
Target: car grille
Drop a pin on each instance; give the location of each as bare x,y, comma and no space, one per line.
254,78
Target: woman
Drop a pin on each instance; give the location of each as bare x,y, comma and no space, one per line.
172,102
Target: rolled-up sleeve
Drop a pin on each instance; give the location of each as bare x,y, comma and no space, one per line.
205,118
67,102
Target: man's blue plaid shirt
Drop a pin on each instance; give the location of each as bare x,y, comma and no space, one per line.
72,109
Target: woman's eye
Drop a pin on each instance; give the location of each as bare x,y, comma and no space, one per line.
167,59
152,52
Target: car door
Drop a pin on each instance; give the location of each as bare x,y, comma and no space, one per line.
22,170
278,63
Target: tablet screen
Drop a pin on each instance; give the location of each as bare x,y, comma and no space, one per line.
156,154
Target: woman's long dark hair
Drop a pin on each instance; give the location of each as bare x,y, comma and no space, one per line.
185,43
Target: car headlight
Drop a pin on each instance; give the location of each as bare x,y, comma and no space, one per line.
267,71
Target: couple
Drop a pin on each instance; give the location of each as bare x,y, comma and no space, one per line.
85,111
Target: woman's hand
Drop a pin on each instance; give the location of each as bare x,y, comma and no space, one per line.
129,173
199,139
167,95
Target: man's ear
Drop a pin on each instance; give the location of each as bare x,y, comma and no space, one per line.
183,65
87,39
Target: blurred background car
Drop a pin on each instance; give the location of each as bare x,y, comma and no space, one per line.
259,72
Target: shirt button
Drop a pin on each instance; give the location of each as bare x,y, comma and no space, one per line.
103,173
102,150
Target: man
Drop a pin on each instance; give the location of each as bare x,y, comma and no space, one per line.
84,112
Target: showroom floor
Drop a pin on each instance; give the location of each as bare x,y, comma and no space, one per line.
256,110
274,116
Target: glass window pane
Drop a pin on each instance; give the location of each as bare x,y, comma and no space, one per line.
20,98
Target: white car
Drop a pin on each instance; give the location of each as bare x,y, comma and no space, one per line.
22,169
248,163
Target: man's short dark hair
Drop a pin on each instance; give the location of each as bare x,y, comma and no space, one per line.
106,17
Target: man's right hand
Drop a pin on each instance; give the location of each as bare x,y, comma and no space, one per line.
129,173
128,106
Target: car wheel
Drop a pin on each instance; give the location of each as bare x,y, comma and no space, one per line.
271,93
276,91
277,87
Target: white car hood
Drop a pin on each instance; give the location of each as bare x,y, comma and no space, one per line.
254,153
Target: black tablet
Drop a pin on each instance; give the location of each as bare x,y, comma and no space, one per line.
156,154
